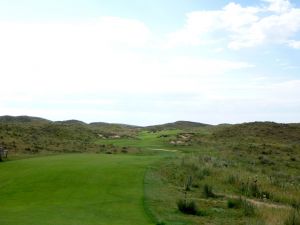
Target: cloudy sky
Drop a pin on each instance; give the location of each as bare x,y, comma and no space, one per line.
152,61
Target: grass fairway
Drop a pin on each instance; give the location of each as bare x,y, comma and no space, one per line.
74,189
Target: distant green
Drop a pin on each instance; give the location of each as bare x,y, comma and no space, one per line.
144,139
74,189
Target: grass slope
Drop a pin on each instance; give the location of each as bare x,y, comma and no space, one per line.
257,161
74,189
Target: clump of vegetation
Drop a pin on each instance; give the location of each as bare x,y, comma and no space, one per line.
161,223
296,204
234,203
202,173
188,207
124,150
293,219
265,160
233,179
238,203
252,189
208,191
188,184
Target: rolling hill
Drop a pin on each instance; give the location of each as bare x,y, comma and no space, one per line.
257,162
181,125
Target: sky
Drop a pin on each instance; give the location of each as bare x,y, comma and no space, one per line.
152,61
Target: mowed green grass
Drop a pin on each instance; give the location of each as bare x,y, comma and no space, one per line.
74,189
145,140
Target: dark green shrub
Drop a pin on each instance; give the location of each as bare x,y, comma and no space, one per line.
124,150
187,207
254,190
161,223
235,203
208,191
293,159
206,172
195,185
201,174
296,204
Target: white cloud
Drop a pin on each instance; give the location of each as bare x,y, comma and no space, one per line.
235,17
200,24
269,29
43,66
98,56
240,26
41,56
279,6
102,70
294,44
130,32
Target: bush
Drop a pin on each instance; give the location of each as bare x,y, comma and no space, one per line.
201,174
124,150
208,191
234,203
248,207
252,189
293,219
161,223
206,172
187,207
293,159
296,204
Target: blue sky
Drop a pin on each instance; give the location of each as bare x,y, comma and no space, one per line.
148,62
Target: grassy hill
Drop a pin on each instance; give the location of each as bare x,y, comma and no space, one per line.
235,174
22,119
36,135
31,135
182,125
255,162
260,131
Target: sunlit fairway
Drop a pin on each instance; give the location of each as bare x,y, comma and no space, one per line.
74,189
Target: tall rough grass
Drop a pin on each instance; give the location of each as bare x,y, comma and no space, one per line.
293,219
